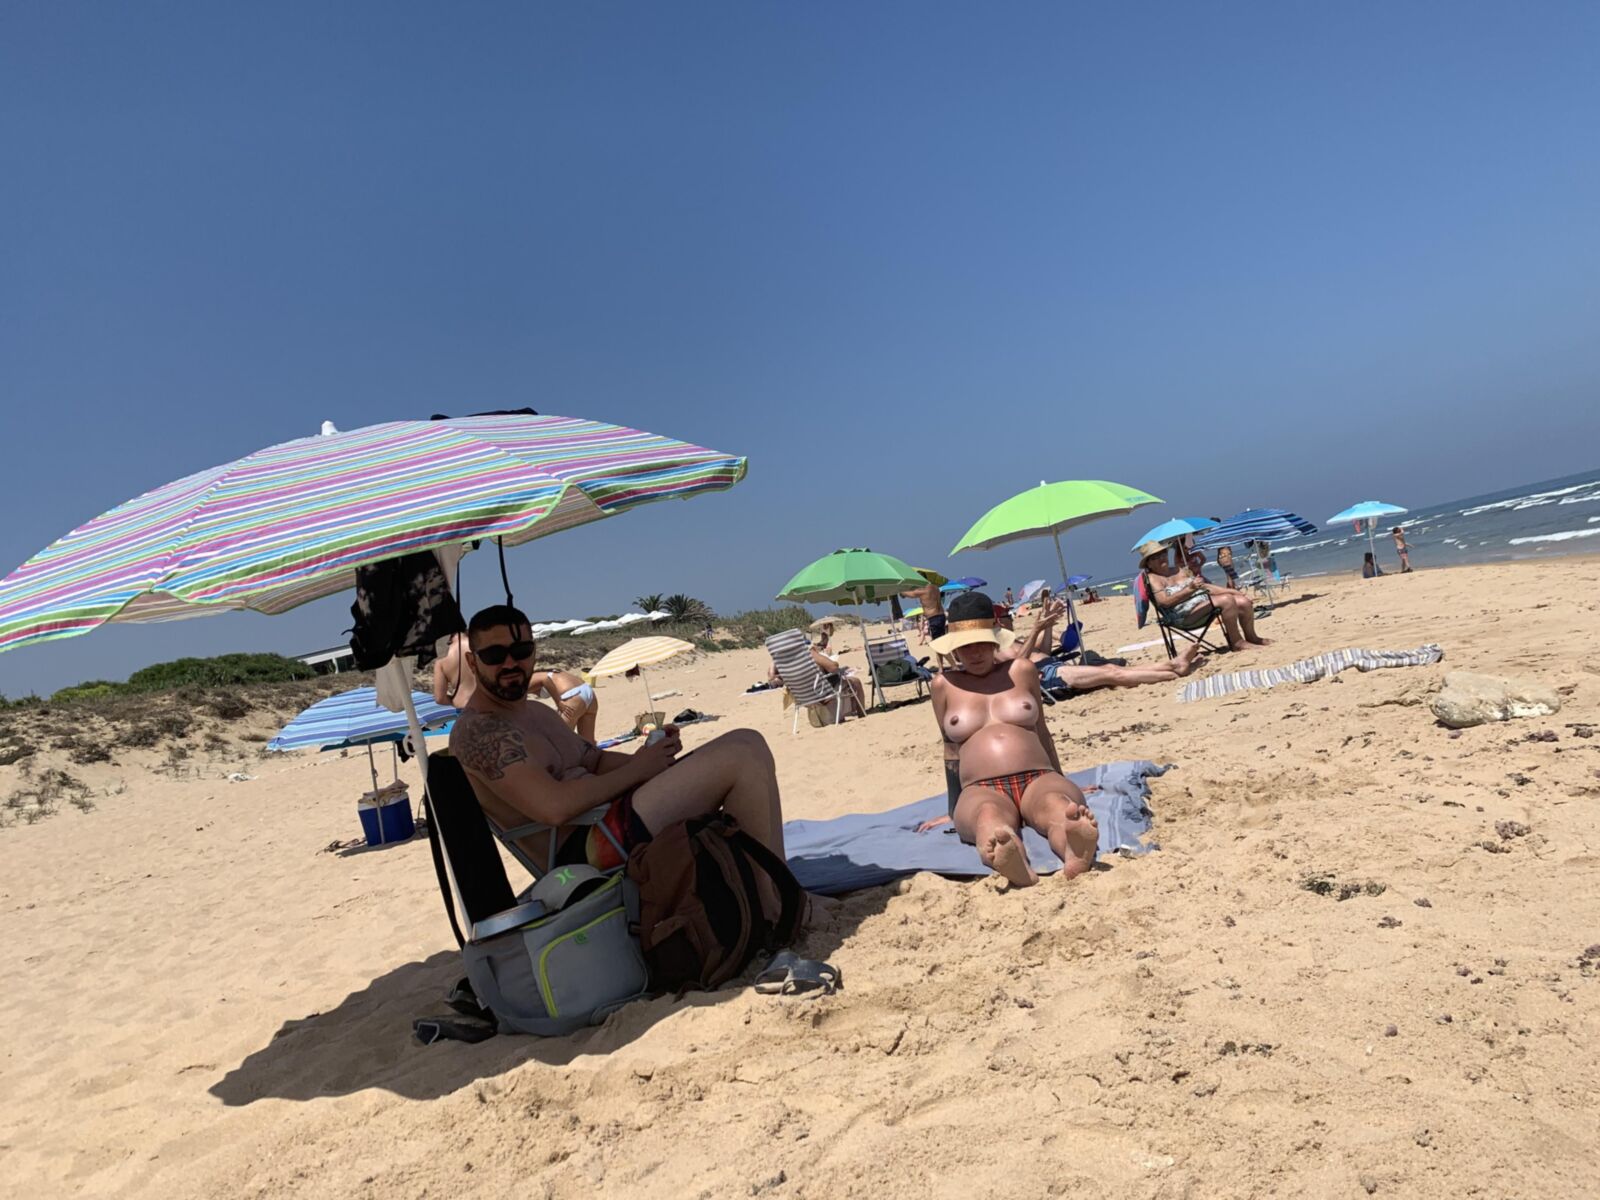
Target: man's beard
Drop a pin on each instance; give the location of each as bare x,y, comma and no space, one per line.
512,689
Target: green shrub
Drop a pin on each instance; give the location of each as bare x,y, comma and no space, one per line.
225,670
95,689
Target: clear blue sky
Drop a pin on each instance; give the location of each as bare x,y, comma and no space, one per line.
909,258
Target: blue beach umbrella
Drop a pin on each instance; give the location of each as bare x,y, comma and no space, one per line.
1256,525
1170,531
1368,511
355,718
965,584
1079,580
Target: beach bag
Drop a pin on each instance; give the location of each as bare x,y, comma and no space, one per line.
702,917
896,670
565,959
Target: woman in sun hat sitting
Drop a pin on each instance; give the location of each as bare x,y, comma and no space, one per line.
992,712
1186,600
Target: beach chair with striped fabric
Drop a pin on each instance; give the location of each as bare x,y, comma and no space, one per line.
807,686
893,666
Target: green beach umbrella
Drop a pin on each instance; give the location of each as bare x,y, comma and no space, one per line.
1053,508
853,577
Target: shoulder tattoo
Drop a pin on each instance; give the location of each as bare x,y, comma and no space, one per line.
487,745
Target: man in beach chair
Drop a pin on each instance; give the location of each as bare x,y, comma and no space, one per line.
528,769
815,682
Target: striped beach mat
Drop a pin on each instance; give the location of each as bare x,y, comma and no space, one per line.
1307,670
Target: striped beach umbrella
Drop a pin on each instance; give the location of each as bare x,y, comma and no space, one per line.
638,654
292,523
355,718
1256,525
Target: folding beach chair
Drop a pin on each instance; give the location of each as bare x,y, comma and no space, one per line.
1260,581
807,686
893,665
1169,630
510,837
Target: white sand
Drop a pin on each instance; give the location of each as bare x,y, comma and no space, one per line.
203,1003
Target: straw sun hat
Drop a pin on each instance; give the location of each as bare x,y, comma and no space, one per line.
969,618
1149,550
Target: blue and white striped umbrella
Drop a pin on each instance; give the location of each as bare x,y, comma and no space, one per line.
1256,525
355,718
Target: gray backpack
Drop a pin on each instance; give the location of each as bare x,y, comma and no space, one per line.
560,958
564,959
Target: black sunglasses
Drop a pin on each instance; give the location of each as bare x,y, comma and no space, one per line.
495,655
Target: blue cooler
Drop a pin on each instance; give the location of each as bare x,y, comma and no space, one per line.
386,815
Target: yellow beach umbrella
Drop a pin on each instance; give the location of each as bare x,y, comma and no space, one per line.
637,654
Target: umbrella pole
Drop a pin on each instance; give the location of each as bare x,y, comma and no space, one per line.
372,765
1072,615
879,700
649,700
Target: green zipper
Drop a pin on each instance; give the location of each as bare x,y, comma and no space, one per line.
544,978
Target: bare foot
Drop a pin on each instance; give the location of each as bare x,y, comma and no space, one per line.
1238,645
1185,661
1082,839
1002,852
1259,641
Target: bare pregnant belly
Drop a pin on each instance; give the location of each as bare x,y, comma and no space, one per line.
1001,749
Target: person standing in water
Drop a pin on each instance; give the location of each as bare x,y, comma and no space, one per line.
1403,550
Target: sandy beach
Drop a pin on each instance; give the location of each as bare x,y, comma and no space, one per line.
205,1002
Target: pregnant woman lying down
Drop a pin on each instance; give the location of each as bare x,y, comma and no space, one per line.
1010,774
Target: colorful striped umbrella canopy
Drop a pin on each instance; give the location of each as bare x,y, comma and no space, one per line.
355,718
291,523
1256,525
1030,590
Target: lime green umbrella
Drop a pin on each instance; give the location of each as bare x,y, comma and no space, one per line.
853,577
1053,508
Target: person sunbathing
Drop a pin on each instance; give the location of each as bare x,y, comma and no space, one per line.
1187,601
834,674
991,710
526,765
1056,676
574,699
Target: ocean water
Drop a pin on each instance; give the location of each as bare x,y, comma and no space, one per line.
1539,520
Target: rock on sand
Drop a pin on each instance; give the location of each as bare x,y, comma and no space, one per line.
1472,699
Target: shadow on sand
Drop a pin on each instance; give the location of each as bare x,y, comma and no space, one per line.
366,1041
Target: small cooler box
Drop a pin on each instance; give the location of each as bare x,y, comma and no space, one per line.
386,815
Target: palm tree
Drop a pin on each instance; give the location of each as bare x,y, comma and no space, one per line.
686,608
649,602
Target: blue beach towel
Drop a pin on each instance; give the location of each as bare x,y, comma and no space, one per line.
864,850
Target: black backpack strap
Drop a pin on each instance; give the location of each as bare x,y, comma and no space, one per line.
790,893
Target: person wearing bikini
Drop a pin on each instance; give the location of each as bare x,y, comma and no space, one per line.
992,712
574,699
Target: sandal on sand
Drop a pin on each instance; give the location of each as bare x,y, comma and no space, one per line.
790,975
